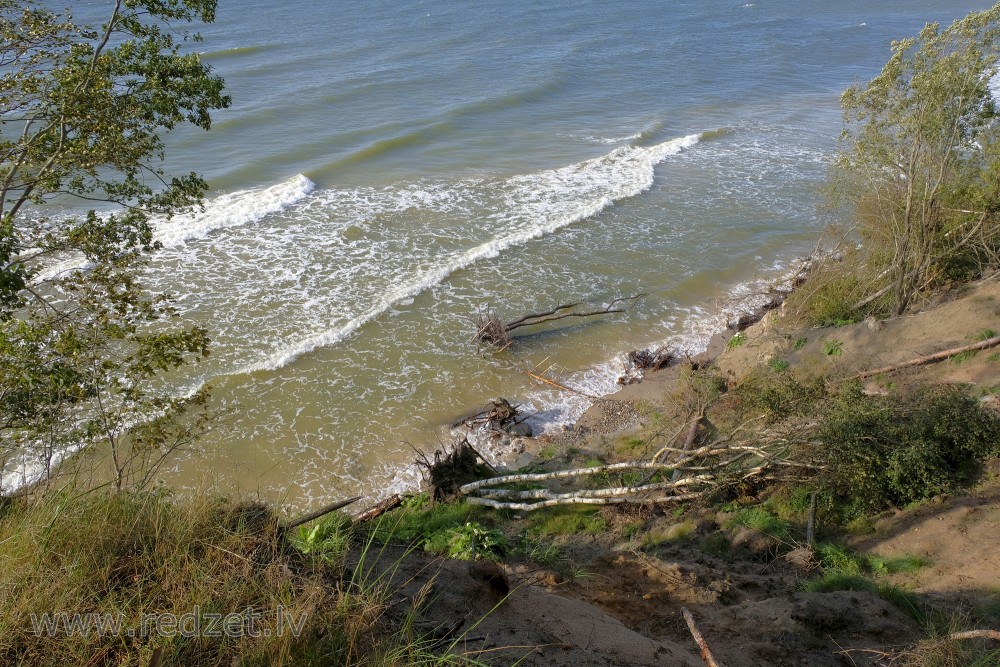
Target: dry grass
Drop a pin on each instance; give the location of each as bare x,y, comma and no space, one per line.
128,556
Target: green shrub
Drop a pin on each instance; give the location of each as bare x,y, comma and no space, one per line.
736,341
777,396
887,451
468,542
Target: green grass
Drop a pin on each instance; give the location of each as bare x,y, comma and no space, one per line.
839,581
963,357
778,365
566,521
838,558
547,452
898,564
672,533
538,549
763,521
736,341
833,348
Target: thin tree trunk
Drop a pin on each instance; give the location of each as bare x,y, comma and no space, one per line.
931,358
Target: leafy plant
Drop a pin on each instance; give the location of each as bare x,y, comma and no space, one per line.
736,341
892,450
328,539
468,542
83,111
931,103
832,348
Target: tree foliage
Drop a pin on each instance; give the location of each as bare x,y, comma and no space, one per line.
920,159
83,110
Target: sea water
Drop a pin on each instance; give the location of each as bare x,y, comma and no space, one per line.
390,169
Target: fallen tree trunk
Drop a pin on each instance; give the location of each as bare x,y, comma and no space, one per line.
321,512
931,358
392,502
693,473
976,634
527,507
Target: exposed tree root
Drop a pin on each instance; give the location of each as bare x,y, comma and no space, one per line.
492,330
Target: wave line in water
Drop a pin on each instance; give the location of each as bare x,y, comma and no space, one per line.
233,209
537,205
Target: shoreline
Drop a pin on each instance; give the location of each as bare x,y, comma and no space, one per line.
618,411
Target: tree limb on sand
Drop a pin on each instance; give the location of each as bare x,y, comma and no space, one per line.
931,358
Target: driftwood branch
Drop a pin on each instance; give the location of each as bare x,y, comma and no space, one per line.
532,316
706,653
931,358
321,512
491,329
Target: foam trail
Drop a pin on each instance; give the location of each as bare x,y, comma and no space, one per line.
69,263
233,209
538,203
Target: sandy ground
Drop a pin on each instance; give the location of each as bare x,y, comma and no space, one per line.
623,607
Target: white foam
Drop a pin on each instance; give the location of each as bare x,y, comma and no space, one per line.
536,205
233,209
65,264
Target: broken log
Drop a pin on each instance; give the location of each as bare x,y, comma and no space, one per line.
931,358
392,502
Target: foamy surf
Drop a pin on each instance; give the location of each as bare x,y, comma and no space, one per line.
233,209
533,206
